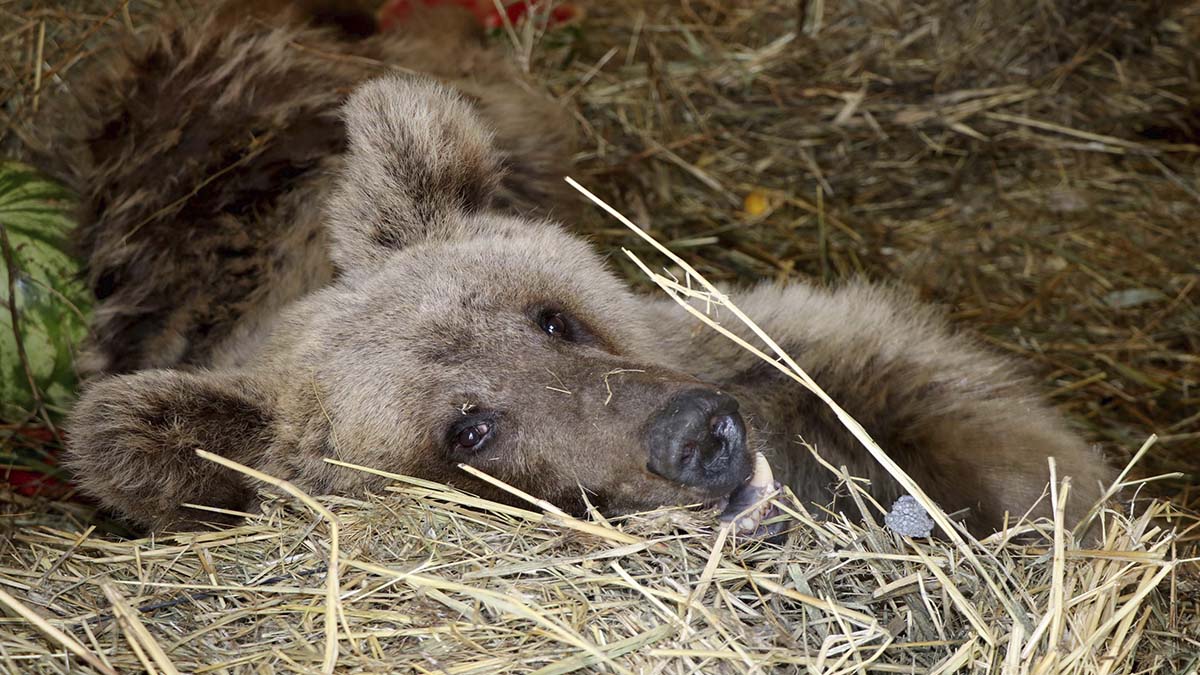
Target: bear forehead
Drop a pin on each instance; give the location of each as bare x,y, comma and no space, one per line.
490,273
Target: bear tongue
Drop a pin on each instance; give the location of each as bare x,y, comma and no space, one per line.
747,519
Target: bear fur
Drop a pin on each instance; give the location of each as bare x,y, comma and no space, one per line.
309,244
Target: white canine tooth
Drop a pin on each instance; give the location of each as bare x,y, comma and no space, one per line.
762,479
761,482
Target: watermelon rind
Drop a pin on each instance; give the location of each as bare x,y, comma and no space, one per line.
43,293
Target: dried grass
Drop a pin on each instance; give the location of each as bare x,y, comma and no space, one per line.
434,580
1032,164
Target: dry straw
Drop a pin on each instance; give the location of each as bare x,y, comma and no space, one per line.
435,580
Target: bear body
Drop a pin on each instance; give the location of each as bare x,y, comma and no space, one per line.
303,247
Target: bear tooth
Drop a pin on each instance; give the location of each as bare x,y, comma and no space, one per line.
760,483
763,478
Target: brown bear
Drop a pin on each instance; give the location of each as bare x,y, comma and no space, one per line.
316,241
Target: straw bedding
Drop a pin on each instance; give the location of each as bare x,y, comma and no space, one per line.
1030,164
433,581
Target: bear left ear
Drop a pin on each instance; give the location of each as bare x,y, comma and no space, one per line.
419,158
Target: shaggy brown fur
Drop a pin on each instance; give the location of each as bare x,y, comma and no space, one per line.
280,289
204,153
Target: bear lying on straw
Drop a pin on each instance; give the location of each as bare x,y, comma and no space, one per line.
298,256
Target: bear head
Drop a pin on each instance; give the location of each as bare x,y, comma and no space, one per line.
453,334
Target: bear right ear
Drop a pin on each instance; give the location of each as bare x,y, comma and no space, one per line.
418,159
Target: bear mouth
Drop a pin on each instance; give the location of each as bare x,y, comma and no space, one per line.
748,509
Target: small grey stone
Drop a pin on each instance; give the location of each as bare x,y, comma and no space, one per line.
909,518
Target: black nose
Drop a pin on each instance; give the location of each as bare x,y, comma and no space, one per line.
698,439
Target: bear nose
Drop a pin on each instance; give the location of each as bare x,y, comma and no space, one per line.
699,439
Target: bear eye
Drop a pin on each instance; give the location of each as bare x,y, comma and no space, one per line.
555,324
470,434
473,436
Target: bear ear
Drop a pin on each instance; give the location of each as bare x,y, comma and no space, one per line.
133,441
418,160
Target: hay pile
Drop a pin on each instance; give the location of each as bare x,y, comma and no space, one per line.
432,580
1032,164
